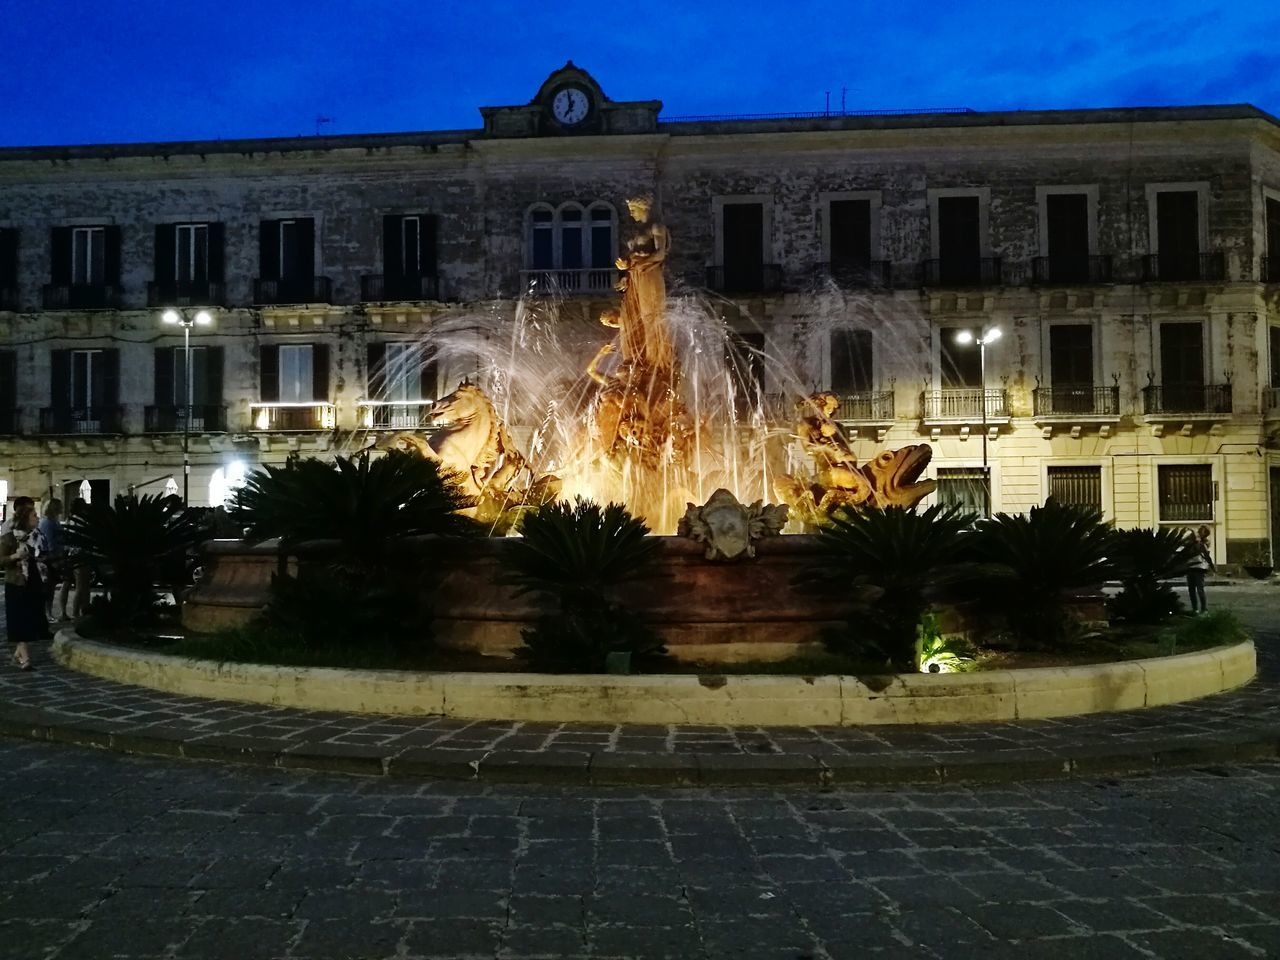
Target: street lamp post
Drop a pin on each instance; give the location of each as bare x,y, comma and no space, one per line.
989,335
187,321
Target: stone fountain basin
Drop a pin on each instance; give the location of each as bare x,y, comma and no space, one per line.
707,612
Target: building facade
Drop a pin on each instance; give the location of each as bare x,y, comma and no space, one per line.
1129,258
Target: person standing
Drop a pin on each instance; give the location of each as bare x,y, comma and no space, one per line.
23,588
56,576
1201,564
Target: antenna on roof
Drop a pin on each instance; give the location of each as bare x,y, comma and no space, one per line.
321,120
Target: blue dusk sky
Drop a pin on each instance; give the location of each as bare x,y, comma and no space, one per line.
83,71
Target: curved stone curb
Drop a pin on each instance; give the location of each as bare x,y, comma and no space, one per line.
767,701
596,768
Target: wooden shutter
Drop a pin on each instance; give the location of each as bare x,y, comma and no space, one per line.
111,255
60,256
110,378
430,234
851,361
304,265
1071,355
164,379
269,250
217,252
320,371
1178,223
8,382
166,246
392,245
214,358
376,361
849,222
60,380
9,257
269,373
959,229
429,380
1067,226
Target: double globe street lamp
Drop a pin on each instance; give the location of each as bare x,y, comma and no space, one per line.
988,335
187,320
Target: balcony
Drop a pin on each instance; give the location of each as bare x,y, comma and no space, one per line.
204,293
395,414
963,272
595,281
81,296
10,422
295,417
1194,401
298,291
1183,267
205,418
1269,270
1075,403
1070,270
858,276
65,421
391,288
9,299
872,406
746,278
964,405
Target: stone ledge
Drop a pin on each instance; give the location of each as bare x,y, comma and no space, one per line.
767,701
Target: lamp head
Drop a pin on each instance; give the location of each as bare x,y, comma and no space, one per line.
992,335
964,336
170,316
203,318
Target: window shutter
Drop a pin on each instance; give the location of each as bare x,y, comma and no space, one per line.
392,245
166,244
269,373
110,378
269,250
111,255
60,380
213,359
305,266
164,380
9,258
376,360
8,380
217,251
429,233
320,372
429,380
60,257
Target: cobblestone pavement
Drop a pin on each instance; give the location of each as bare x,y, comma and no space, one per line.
125,716
103,855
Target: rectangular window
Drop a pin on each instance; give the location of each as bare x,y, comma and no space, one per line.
1067,233
87,380
1273,245
849,222
1076,486
965,487
742,236
959,239
403,371
1274,332
411,246
541,252
1186,492
88,255
199,377
8,259
290,235
851,370
296,373
191,243
1182,355
1178,233
960,363
746,362
1071,356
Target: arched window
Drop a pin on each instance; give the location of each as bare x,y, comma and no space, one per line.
572,237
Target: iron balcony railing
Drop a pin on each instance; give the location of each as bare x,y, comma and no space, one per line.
1269,270
1271,399
82,420
10,422
293,416
871,406
395,414
81,296
205,418
745,278
1175,267
203,293
387,288
305,290
870,273
963,272
1085,269
1074,401
964,403
9,299
549,283
1186,398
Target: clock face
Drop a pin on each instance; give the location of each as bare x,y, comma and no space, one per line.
570,106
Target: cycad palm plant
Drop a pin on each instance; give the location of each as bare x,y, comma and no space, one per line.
1145,559
576,555
136,544
905,560
1034,564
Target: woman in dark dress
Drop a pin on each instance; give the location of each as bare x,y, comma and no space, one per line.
23,589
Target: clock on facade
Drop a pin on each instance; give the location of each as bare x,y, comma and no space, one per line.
570,106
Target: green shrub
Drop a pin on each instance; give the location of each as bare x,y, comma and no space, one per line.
1144,560
1215,629
937,653
136,545
575,556
900,562
1033,564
